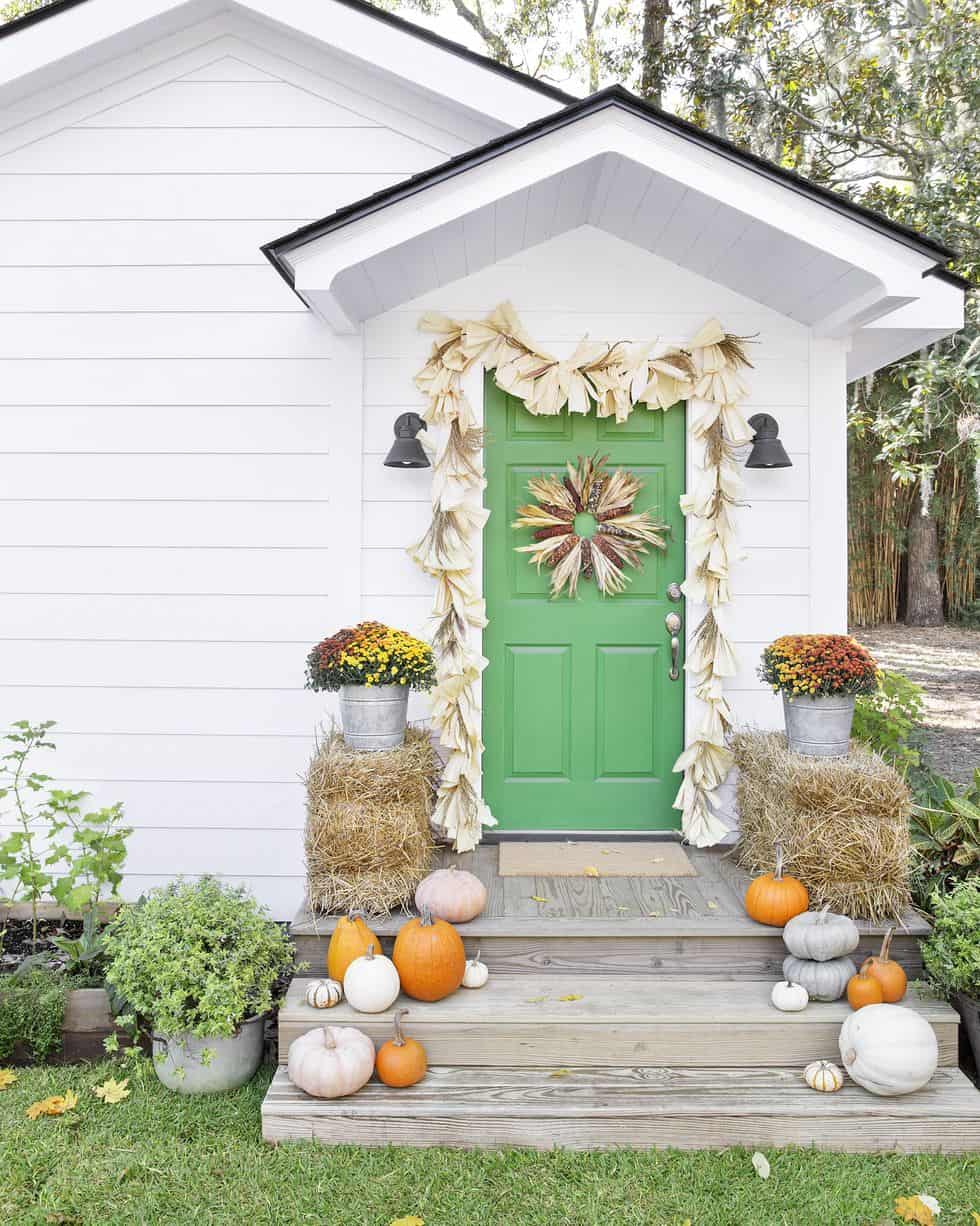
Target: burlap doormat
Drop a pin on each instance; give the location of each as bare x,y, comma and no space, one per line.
591,859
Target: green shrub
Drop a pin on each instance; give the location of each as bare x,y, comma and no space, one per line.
32,1011
196,956
945,835
889,719
951,955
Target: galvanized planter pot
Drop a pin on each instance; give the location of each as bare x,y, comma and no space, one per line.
969,1010
182,1066
820,726
373,716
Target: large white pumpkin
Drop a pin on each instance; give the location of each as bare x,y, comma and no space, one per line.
371,983
889,1050
331,1061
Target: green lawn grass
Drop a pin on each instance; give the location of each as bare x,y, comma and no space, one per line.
160,1159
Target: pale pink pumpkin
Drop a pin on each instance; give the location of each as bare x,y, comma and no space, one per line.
452,894
331,1061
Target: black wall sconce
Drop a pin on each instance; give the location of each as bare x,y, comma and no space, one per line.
406,451
767,451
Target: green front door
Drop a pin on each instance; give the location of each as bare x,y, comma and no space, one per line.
581,720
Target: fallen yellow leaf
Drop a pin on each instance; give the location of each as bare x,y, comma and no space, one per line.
534,1000
571,996
590,870
913,1209
560,1072
57,1104
654,914
7,1078
975,1216
112,1091
412,1220
622,908
538,898
712,904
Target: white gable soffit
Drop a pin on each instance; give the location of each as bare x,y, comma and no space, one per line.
643,182
67,41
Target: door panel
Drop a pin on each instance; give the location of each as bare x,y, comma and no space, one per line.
581,721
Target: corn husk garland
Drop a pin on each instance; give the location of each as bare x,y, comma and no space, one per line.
614,379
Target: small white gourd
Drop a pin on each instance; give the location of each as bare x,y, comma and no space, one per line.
475,974
820,936
331,1061
789,997
888,1049
324,993
371,983
823,1076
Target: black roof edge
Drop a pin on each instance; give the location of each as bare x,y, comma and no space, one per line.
950,277
359,6
614,95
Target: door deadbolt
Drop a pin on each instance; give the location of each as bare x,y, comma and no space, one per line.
674,592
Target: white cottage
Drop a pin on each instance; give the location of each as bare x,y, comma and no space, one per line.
220,224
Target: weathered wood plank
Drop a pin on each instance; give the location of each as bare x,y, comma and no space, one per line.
630,1107
564,1022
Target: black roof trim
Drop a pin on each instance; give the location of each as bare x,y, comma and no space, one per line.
950,277
369,10
614,96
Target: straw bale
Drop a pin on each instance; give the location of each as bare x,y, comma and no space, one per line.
368,842
843,823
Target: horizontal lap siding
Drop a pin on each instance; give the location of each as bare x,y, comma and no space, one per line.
167,507
618,293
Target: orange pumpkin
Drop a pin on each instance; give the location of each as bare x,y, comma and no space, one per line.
429,957
889,974
775,898
351,939
401,1061
863,989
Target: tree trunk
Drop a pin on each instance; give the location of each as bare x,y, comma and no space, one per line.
653,74
924,594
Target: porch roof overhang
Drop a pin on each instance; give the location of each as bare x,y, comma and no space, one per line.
616,163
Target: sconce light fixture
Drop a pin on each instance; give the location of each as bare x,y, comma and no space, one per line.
767,451
406,451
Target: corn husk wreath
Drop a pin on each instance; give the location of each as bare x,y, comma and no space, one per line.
614,378
621,536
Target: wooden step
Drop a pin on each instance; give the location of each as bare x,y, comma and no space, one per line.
606,1020
638,1108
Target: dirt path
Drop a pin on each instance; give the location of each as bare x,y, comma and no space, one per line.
945,661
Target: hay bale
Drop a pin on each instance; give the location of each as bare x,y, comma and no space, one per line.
843,823
368,842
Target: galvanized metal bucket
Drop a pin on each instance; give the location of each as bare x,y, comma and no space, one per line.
192,1065
819,726
373,716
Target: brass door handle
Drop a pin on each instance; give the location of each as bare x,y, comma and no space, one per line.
673,623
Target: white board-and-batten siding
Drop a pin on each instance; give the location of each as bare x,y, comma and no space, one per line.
191,470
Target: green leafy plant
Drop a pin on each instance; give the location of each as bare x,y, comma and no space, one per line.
888,719
951,955
196,957
32,1011
56,850
945,828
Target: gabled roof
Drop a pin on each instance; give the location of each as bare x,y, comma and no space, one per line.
620,98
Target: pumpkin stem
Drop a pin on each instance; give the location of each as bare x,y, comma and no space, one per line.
778,874
822,917
328,1039
399,1039
426,921
886,944
369,952
477,958
355,915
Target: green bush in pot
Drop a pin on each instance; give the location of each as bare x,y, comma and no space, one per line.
951,955
199,961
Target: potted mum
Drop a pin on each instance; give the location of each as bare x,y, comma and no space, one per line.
199,962
951,955
819,676
373,667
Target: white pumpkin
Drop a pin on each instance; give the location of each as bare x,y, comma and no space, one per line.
789,997
371,983
823,1076
820,936
475,974
331,1061
888,1049
451,894
823,980
324,993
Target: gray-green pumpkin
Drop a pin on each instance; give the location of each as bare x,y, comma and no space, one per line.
820,936
823,980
